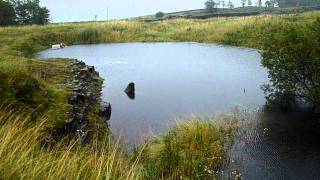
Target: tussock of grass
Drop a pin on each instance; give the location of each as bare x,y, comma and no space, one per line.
24,156
195,149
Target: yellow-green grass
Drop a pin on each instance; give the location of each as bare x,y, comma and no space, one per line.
25,156
194,148
26,40
36,87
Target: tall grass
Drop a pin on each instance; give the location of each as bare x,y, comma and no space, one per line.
194,149
36,87
24,156
29,39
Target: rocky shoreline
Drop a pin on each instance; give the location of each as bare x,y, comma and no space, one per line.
88,115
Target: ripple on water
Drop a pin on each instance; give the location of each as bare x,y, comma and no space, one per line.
277,148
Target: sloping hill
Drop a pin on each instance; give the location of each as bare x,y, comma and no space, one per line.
226,12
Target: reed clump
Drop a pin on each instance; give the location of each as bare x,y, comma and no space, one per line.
193,149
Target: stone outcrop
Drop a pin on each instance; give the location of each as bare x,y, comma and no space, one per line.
86,94
105,110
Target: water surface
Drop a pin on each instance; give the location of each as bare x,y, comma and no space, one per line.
176,80
173,80
277,146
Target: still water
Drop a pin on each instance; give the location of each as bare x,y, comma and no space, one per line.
173,80
178,80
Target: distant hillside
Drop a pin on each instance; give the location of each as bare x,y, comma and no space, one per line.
226,12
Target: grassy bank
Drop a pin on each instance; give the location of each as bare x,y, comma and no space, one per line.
194,149
26,40
23,155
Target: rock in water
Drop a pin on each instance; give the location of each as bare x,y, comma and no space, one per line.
131,95
105,110
130,90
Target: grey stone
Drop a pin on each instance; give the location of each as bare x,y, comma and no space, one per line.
84,95
91,69
106,110
130,88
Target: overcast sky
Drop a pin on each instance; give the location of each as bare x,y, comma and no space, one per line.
83,10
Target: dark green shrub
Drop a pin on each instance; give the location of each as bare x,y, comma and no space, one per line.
7,14
159,15
292,57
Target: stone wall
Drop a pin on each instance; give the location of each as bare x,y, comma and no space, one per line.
85,98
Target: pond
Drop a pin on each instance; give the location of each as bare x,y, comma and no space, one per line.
173,80
179,80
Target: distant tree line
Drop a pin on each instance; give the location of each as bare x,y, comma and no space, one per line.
211,5
21,12
258,3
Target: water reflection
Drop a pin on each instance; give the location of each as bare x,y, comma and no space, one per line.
278,145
